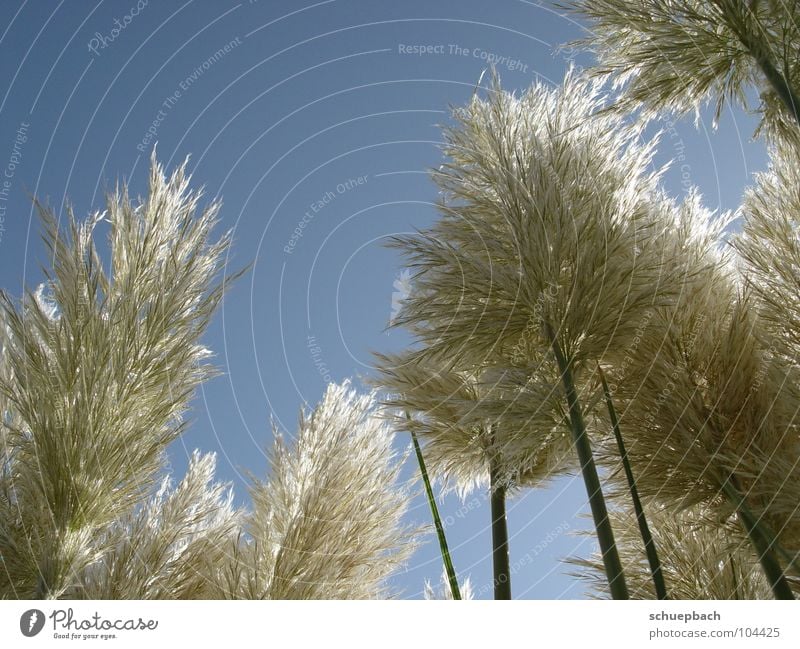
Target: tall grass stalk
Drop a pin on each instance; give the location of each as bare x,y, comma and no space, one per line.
605,534
679,55
761,543
437,521
641,520
501,564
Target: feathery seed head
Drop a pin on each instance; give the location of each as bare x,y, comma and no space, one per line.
442,590
99,370
680,54
701,558
550,215
509,420
705,401
327,524
169,548
769,247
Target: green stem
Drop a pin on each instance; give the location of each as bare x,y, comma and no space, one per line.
763,529
780,85
762,545
734,576
41,589
500,558
437,521
605,534
751,38
644,528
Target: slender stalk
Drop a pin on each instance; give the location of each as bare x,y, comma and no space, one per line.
735,578
41,589
779,84
740,503
768,534
500,558
763,546
750,37
597,502
644,528
437,521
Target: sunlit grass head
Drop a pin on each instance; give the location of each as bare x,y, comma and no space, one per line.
100,366
549,214
677,56
495,417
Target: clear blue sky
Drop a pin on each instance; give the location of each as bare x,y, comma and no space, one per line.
306,99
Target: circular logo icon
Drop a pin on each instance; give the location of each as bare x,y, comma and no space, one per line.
31,622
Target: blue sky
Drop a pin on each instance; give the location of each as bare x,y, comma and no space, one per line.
324,113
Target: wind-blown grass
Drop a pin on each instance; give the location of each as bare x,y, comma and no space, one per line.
549,250
677,55
97,369
701,558
328,521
